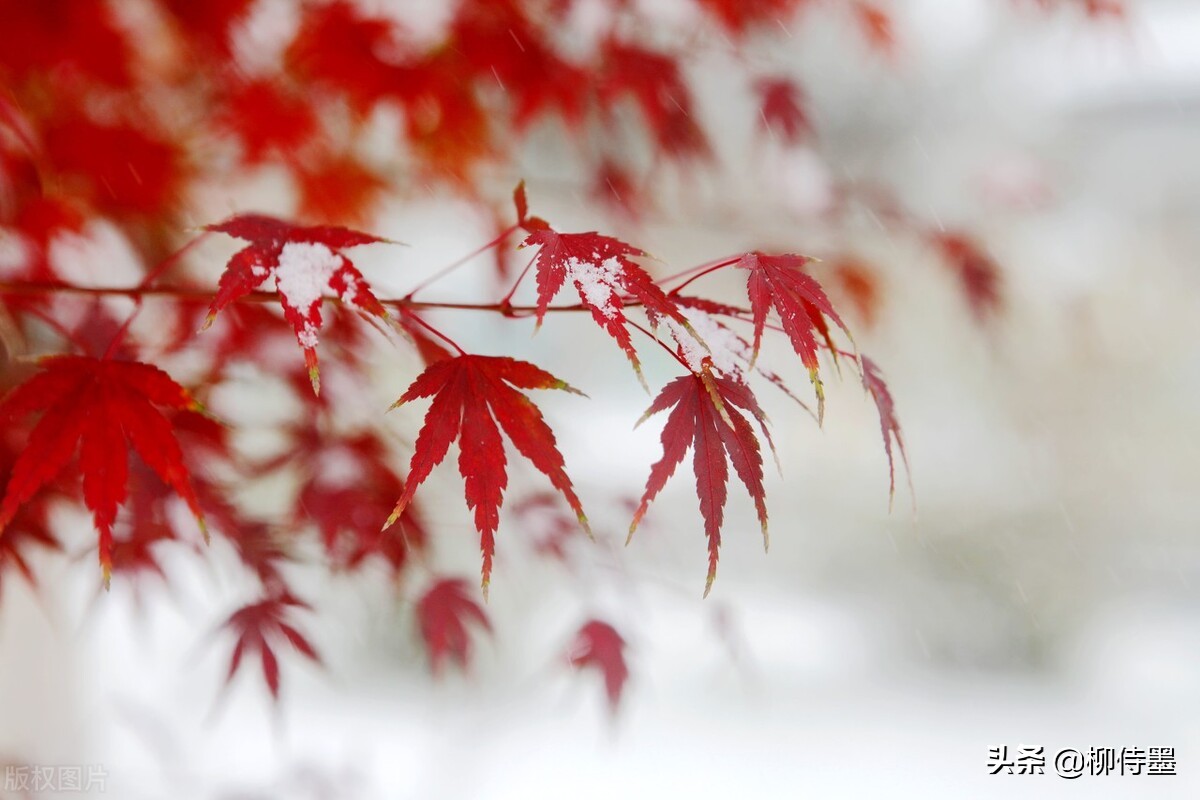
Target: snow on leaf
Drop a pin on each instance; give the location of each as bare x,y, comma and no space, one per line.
706,416
888,424
471,394
102,408
779,281
261,627
603,275
728,351
598,645
442,614
306,263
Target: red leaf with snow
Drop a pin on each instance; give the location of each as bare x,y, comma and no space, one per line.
603,274
598,646
306,263
471,394
261,627
705,417
442,614
103,408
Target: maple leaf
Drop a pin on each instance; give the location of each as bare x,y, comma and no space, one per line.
79,35
655,83
499,43
338,45
888,424
781,110
338,188
211,22
602,272
471,394
779,281
104,407
705,417
876,27
857,282
124,168
350,487
442,614
598,645
306,262
977,272
613,186
261,626
739,16
727,350
268,118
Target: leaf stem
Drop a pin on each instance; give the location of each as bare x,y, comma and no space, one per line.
661,344
437,333
700,272
446,270
154,274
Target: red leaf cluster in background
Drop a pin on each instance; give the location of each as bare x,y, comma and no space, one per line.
117,130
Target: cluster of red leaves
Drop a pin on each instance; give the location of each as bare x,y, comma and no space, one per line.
100,131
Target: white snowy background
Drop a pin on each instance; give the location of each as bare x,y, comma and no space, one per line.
1047,592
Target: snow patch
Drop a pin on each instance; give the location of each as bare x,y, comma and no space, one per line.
597,282
302,276
728,351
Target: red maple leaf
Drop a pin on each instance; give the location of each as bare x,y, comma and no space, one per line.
79,35
654,82
122,168
705,417
337,188
739,16
781,109
977,273
888,424
500,44
268,118
211,22
27,529
471,394
338,45
599,646
349,488
858,284
603,274
876,27
261,626
306,263
442,614
104,407
779,281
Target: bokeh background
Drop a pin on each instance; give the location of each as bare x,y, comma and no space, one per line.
1042,591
